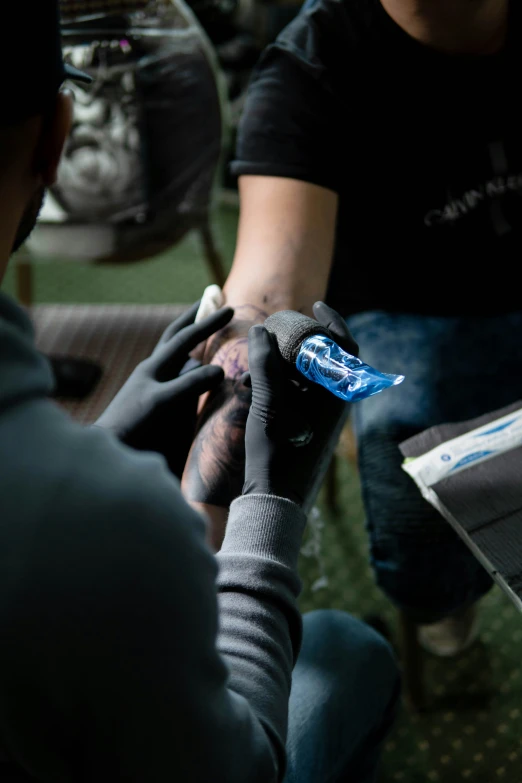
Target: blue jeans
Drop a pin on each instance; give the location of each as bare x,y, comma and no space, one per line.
456,369
345,690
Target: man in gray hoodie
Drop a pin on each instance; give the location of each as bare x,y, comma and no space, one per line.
129,652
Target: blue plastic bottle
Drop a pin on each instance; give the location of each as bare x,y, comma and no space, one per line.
322,361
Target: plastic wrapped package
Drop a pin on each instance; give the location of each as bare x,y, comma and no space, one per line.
148,134
322,361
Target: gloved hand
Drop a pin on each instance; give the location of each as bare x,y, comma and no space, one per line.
156,408
291,420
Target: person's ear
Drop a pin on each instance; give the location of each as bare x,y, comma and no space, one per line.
55,133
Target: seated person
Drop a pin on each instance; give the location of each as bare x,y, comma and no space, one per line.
379,159
126,654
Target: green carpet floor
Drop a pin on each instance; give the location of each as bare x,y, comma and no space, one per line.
177,276
472,731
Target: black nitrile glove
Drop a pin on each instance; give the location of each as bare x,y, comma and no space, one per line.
337,325
291,421
156,409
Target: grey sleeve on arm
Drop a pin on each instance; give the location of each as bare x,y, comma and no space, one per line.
161,702
260,624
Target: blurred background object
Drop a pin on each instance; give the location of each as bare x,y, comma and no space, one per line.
154,133
141,162
147,139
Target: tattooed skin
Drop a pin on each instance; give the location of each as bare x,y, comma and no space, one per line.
226,348
214,472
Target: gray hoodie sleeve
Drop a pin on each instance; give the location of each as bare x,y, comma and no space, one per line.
260,625
144,671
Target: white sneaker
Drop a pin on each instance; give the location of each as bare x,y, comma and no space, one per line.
452,635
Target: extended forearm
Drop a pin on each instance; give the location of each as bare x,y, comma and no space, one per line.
229,347
283,261
214,470
213,474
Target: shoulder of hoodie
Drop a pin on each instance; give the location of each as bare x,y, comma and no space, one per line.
53,468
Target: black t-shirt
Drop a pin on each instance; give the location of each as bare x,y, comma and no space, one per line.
423,148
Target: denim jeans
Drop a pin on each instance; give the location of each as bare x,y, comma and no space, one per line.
456,369
344,696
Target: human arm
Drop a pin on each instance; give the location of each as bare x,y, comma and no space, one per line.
118,662
283,259
112,670
288,160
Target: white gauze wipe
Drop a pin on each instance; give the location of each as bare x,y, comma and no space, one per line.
213,299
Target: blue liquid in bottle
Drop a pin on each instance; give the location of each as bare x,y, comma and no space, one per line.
324,362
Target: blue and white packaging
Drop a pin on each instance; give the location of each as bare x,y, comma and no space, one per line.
467,450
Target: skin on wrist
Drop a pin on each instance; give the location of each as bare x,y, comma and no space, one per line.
226,347
214,472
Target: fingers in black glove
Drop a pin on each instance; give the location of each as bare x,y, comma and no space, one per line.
171,354
289,427
277,400
268,367
188,317
193,383
246,380
337,325
157,411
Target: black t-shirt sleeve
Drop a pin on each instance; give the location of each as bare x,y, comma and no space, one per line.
290,125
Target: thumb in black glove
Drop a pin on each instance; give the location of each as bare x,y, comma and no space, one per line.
156,408
337,325
291,422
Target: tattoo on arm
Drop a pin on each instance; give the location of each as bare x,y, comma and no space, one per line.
214,472
215,468
233,358
245,317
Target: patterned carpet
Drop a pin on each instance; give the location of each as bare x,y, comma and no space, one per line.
472,729
117,337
